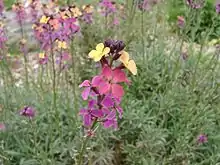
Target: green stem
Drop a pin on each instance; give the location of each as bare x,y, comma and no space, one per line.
25,57
74,63
54,76
83,148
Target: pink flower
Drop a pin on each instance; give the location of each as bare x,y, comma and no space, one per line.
108,82
1,7
2,127
27,112
202,138
88,86
116,21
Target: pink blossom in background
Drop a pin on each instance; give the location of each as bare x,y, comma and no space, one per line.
27,112
1,7
2,127
202,138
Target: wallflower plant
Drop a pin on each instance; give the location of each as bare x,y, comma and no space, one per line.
105,91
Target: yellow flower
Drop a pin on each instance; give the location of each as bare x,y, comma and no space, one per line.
62,45
100,51
42,55
75,11
213,42
128,63
44,19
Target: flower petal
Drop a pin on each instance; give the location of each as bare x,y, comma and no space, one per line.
117,90
91,104
119,76
98,57
85,93
92,53
87,120
85,83
107,72
100,47
96,81
124,58
132,67
106,50
104,87
97,113
108,102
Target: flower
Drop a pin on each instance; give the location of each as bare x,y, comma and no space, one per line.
107,82
217,8
195,5
180,21
27,112
90,114
44,19
1,7
128,63
88,86
202,138
108,7
2,127
100,51
62,45
75,11
19,9
115,45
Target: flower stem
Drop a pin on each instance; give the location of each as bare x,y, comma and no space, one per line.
25,56
83,148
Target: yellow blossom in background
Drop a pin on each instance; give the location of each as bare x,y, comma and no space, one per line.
100,51
128,63
214,42
62,44
1,24
75,11
44,19
88,8
42,55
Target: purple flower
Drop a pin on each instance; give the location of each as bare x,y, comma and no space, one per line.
90,114
217,8
202,138
110,120
87,18
112,104
27,112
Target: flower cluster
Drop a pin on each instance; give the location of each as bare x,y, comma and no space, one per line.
56,31
107,7
105,91
87,13
195,4
19,9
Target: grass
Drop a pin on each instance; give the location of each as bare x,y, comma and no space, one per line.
168,105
